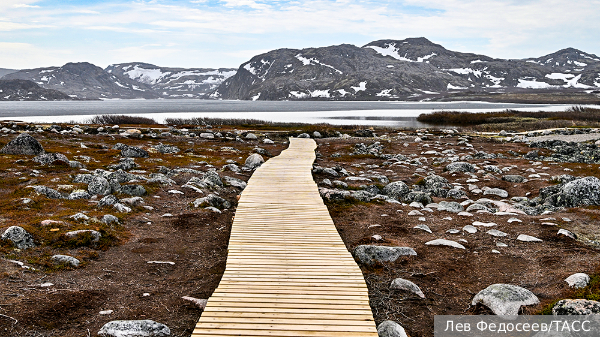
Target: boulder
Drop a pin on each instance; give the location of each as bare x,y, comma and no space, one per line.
304,135
108,200
166,149
579,280
108,219
212,200
370,254
51,158
390,329
580,192
48,192
99,185
253,161
131,151
235,182
450,206
576,307
402,284
505,299
460,166
135,190
212,179
134,328
455,193
24,144
79,194
65,259
251,136
417,196
396,190
19,237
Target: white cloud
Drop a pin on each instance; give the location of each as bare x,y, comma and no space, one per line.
25,6
240,3
25,55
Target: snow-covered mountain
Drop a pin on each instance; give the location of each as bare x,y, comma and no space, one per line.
84,81
173,82
413,68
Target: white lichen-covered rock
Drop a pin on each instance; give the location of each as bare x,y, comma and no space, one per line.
579,280
95,235
253,161
19,237
460,167
402,284
505,299
528,238
444,242
576,307
450,206
496,191
65,259
136,328
99,185
370,254
396,190
24,144
390,329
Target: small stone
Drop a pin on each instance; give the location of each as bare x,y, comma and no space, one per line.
444,242
451,206
470,229
511,220
108,219
579,280
500,244
370,254
528,238
200,303
402,284
484,224
567,234
390,329
137,328
106,312
423,227
65,259
495,232
496,191
415,212
453,231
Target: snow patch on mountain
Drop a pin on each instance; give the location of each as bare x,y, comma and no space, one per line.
532,83
312,61
362,86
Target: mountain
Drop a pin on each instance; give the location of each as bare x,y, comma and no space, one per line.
413,68
173,82
24,90
84,81
4,71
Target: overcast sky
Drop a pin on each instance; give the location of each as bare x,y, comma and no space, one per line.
214,33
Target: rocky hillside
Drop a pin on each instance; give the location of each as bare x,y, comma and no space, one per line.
84,81
401,69
4,71
24,90
173,82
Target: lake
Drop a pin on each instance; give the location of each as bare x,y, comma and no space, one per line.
399,114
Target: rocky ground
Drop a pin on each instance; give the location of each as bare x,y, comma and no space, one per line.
103,223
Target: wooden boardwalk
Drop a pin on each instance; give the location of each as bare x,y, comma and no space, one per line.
288,272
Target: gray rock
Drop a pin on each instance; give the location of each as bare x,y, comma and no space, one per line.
99,185
137,328
470,229
576,307
444,242
212,200
578,280
19,237
478,207
505,299
79,195
51,158
119,207
333,194
65,259
330,171
48,192
212,179
304,135
460,166
253,161
528,238
108,200
161,179
496,191
121,176
424,228
402,284
396,190
390,329
79,217
497,233
417,196
513,178
83,178
135,190
238,183
166,149
131,151
251,136
95,235
455,193
584,191
24,144
567,234
232,168
369,254
450,206
124,164
109,219
133,201
317,134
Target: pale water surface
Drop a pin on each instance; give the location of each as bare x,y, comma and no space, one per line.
341,113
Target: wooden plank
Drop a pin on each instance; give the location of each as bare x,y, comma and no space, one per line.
288,272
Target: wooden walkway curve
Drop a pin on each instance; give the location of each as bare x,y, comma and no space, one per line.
288,272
